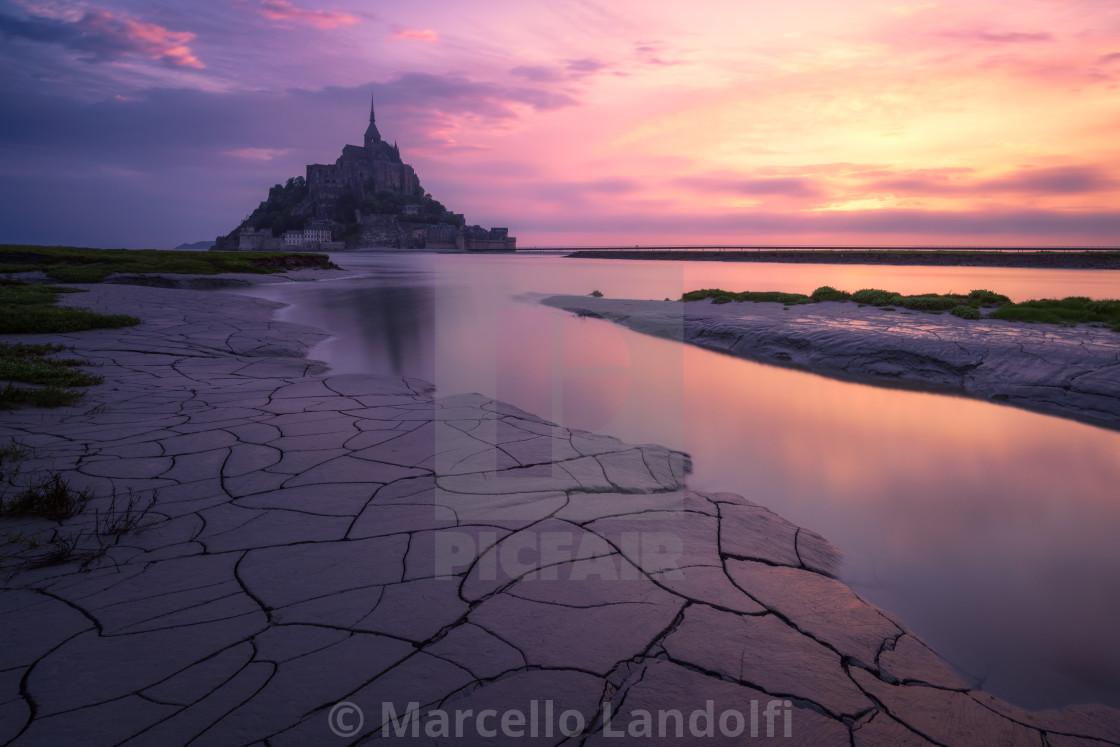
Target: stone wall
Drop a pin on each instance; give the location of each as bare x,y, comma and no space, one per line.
251,240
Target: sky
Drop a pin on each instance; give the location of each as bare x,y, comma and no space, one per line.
573,122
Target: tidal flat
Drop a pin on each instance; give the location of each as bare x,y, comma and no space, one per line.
319,536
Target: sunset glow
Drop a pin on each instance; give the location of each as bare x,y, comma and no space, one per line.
148,124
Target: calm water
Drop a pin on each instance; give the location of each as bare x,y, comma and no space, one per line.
990,531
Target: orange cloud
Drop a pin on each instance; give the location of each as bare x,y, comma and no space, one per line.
157,42
105,35
281,10
424,35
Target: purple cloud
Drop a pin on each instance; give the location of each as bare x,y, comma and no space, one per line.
1007,37
777,186
1062,180
652,53
569,70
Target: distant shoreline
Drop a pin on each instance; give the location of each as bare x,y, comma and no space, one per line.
1064,260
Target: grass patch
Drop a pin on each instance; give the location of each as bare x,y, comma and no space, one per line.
1066,311
29,364
1071,310
965,312
49,496
12,396
27,308
828,293
722,296
78,265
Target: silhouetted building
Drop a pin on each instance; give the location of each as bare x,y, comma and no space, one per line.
375,166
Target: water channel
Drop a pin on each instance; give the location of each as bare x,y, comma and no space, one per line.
993,533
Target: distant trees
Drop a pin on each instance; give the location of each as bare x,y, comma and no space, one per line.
285,208
428,209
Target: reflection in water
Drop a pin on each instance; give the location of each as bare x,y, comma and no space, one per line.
382,325
988,530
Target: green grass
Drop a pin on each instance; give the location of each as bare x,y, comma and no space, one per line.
722,296
51,377
26,308
77,265
828,293
965,312
1067,311
29,364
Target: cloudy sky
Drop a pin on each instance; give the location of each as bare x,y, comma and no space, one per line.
150,123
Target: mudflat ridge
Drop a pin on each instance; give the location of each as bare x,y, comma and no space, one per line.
1068,371
318,547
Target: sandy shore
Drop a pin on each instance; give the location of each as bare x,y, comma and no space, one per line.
1072,372
317,539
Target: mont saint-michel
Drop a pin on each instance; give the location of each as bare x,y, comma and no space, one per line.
369,197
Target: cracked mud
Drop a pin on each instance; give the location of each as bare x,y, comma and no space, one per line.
321,538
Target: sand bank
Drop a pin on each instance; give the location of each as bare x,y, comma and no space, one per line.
1069,371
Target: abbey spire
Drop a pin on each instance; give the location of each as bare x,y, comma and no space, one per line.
372,135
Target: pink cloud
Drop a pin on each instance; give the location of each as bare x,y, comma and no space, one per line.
423,35
106,35
155,41
256,154
281,10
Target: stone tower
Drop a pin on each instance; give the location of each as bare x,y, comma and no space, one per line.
373,167
373,137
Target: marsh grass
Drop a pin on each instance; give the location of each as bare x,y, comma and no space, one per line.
70,264
50,497
1067,311
1070,310
30,364
722,296
27,308
965,312
30,309
51,378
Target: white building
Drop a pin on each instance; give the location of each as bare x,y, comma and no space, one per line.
316,233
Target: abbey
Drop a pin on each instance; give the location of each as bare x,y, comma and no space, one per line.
373,167
369,197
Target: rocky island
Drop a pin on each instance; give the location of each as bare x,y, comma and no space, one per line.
369,197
